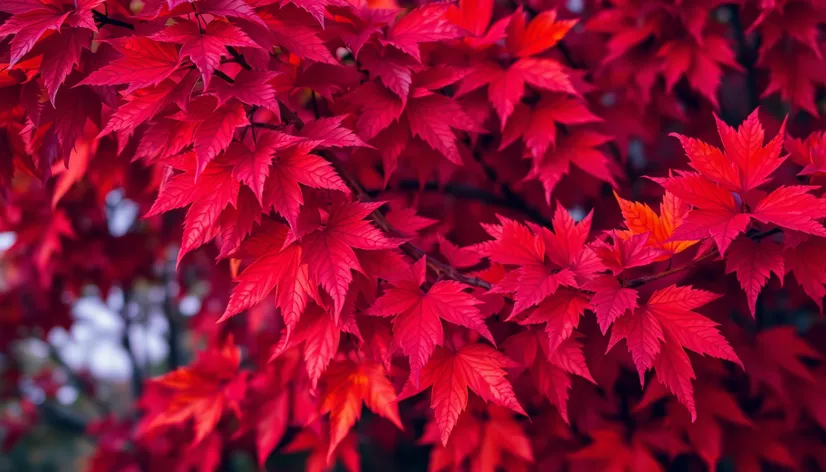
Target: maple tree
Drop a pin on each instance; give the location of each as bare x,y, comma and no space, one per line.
385,235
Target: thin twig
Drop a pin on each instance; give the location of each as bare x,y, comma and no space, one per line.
267,126
568,56
77,381
104,19
633,283
314,103
444,270
61,418
746,56
223,76
475,194
172,317
514,199
239,58
137,376
450,272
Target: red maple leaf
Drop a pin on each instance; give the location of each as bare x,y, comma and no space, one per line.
753,262
610,300
546,259
489,437
550,367
611,451
318,445
699,62
276,169
29,25
276,268
474,16
346,385
319,338
809,153
391,121
743,165
718,410
215,190
144,62
328,250
201,392
626,253
421,25
537,126
795,72
657,331
477,366
582,149
204,46
808,268
506,85
641,219
418,315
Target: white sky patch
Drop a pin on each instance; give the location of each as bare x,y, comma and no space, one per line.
7,240
95,340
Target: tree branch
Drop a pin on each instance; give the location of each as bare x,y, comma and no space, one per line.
442,269
137,377
54,415
223,76
267,126
746,56
170,311
472,193
104,19
513,199
633,283
239,58
450,272
77,381
639,281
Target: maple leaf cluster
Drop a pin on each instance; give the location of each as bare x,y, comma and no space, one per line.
535,235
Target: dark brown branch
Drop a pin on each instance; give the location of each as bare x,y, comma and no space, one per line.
58,417
239,58
568,56
267,126
77,382
104,19
513,199
172,317
223,76
450,272
746,56
314,102
442,269
475,194
633,283
137,376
